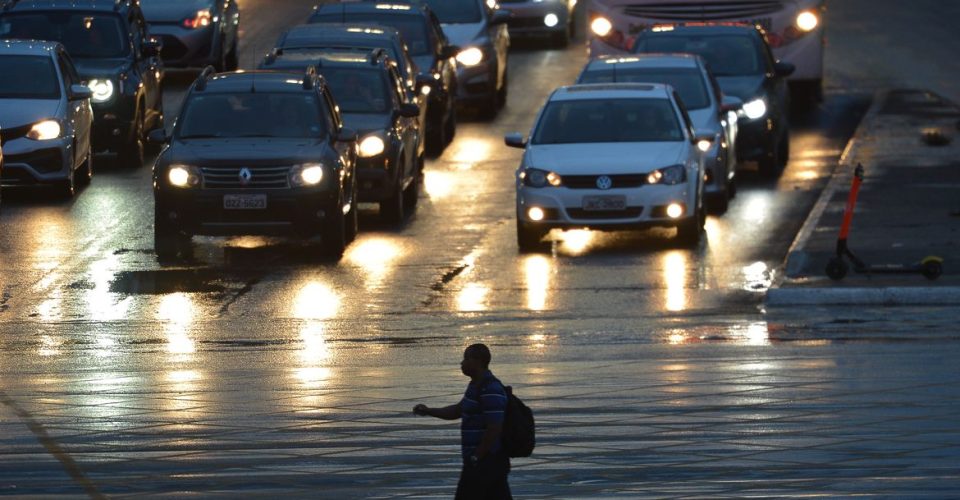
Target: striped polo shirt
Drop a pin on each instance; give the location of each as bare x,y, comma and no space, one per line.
481,405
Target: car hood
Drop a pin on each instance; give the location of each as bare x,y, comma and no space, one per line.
365,123
99,68
607,158
245,150
744,87
704,120
465,35
162,11
21,112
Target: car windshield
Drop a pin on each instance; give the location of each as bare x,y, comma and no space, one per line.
260,114
85,35
687,81
726,55
456,11
412,28
608,120
36,78
358,90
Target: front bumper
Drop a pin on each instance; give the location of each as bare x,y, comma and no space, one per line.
299,212
376,177
756,139
528,18
186,48
113,122
27,162
477,84
645,207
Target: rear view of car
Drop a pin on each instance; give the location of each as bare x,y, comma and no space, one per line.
195,33
551,18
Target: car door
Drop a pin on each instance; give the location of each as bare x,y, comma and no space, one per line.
776,86
501,41
446,67
407,129
148,67
79,111
346,151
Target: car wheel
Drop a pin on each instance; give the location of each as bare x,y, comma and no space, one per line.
412,194
770,163
690,232
783,151
560,39
353,217
502,93
436,135
68,186
168,243
530,238
131,154
450,125
87,174
334,234
720,202
392,209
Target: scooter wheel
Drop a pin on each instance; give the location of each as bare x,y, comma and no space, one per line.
932,269
837,269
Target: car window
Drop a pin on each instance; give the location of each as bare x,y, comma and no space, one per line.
608,120
688,81
70,77
413,28
396,87
687,122
36,78
456,11
84,34
261,114
725,55
358,90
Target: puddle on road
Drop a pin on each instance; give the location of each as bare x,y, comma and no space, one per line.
168,281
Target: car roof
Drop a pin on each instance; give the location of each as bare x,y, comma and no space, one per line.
259,81
386,7
702,29
325,59
78,5
611,91
27,47
648,60
325,33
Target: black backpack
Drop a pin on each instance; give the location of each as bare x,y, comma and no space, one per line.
519,430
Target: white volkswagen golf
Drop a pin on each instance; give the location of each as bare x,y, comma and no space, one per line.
610,157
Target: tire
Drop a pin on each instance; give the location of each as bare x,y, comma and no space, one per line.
87,172
529,238
334,235
783,150
132,153
501,100
690,232
411,196
770,164
392,209
67,188
720,202
168,243
436,138
450,125
353,217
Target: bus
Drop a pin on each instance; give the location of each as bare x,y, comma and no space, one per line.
794,28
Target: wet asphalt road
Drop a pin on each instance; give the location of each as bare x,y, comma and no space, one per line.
257,369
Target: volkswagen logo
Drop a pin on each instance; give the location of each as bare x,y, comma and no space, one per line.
604,182
245,176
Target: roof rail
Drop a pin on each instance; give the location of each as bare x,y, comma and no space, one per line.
201,84
308,76
376,54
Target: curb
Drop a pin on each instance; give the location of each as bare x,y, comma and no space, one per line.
892,296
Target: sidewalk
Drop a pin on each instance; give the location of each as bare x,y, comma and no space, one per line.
908,209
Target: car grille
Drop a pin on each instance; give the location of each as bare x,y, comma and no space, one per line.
628,213
590,181
44,161
173,48
704,11
261,178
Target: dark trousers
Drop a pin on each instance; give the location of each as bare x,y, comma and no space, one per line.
485,481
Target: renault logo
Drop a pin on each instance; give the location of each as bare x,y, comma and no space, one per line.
245,176
604,182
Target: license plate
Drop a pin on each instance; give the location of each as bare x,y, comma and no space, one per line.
598,203
245,201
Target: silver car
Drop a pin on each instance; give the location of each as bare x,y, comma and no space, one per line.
553,18
610,157
45,116
711,112
196,33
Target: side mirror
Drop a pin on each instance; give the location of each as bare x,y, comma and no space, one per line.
78,92
157,136
409,110
449,51
515,140
500,16
347,135
731,103
783,69
152,47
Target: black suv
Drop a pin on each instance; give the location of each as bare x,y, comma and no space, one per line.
370,92
261,153
113,52
739,56
429,48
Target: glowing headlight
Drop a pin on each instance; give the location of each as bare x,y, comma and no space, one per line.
371,146
807,21
309,174
704,145
669,176
601,26
44,131
551,20
470,57
425,90
102,89
535,177
182,176
755,109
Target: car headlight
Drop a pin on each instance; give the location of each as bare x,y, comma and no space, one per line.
601,26
202,19
45,130
704,145
183,176
755,109
470,57
308,174
551,20
371,146
669,176
102,88
807,21
534,177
